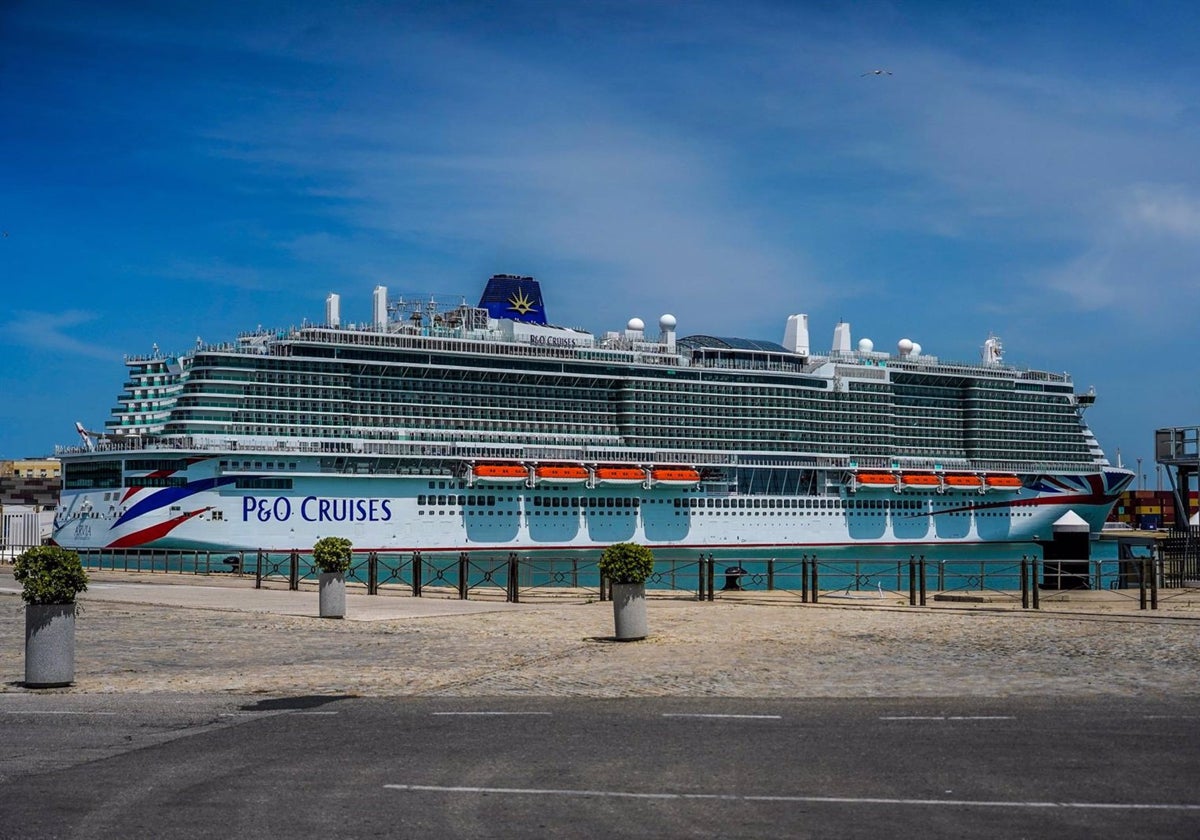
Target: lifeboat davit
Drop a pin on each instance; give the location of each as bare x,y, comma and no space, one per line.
620,475
1003,482
876,479
500,473
964,480
675,476
921,480
562,473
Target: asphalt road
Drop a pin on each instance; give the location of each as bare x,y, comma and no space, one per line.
84,766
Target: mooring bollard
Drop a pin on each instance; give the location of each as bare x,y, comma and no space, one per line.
815,581
1142,584
921,577
464,564
912,580
1034,591
1153,584
514,586
1024,582
294,570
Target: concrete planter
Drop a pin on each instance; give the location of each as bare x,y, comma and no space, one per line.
629,611
49,645
332,588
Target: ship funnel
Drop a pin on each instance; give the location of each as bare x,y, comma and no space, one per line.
379,308
841,339
333,310
795,334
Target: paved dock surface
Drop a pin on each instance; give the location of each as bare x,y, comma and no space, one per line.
189,635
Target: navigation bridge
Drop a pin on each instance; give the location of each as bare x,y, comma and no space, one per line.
1178,449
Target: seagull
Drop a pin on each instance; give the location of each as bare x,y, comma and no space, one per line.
879,72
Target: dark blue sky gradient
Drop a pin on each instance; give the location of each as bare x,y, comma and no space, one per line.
183,170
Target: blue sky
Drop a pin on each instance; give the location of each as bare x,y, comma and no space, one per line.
178,170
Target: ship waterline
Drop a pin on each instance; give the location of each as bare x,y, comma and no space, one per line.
406,434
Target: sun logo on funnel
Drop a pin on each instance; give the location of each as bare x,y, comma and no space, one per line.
520,303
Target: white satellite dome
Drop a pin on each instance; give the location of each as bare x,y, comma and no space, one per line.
635,324
904,346
865,345
666,322
916,349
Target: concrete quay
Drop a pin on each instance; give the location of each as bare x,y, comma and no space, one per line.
140,634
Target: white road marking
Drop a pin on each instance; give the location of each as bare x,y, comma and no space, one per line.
949,717
487,714
269,712
697,715
837,800
51,712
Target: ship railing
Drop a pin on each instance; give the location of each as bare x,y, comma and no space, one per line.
426,448
494,343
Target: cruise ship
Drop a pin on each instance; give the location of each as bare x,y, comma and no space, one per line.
451,427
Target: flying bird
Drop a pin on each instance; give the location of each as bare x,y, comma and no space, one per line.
879,72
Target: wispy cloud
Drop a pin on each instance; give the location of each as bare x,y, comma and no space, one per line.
1167,210
52,331
1142,259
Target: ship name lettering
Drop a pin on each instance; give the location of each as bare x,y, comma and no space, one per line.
552,341
264,510
316,509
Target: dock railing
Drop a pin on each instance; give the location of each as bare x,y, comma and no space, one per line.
917,580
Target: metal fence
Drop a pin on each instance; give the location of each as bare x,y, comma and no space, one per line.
811,578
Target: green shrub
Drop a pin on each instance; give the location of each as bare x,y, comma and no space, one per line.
50,574
627,563
332,554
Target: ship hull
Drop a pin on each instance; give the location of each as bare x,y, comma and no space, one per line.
206,509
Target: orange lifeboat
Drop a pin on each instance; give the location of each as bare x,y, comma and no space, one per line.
500,473
964,480
563,473
1003,482
921,480
620,475
878,479
676,476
